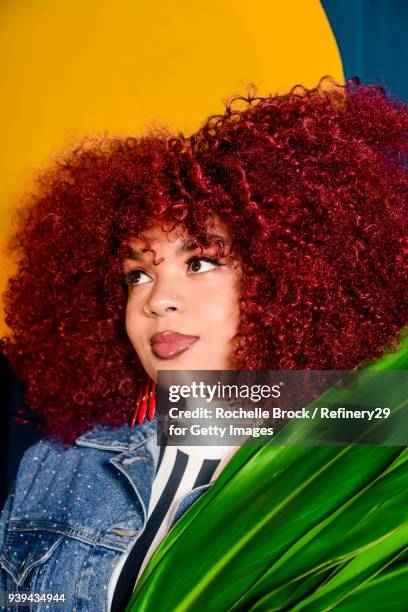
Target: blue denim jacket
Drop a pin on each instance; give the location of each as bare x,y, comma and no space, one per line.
73,513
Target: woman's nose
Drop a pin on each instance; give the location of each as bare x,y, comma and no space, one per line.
162,302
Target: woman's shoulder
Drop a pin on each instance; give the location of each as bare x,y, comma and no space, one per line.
49,457
50,471
78,487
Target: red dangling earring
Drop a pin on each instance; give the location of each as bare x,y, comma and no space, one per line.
145,402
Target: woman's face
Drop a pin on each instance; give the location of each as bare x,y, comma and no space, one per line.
183,303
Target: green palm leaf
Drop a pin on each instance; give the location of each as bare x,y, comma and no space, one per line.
350,575
353,528
385,593
361,569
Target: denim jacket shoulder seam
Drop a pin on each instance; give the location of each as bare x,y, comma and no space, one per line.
114,448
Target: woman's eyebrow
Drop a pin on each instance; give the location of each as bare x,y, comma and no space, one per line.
187,246
192,243
134,255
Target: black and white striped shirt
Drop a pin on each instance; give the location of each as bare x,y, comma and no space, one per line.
179,470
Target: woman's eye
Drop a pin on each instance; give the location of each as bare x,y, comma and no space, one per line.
202,264
136,277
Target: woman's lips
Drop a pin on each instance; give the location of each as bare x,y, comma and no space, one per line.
168,344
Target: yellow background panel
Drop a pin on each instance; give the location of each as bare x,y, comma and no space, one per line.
76,67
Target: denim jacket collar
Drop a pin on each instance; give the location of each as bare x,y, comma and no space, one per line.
137,454
122,439
137,459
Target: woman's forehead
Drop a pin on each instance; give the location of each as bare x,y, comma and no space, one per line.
178,236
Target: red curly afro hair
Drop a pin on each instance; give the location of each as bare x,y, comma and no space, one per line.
313,188
316,197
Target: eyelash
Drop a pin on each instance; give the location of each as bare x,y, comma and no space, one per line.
194,258
128,277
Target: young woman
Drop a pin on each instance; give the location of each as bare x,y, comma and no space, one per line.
275,238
